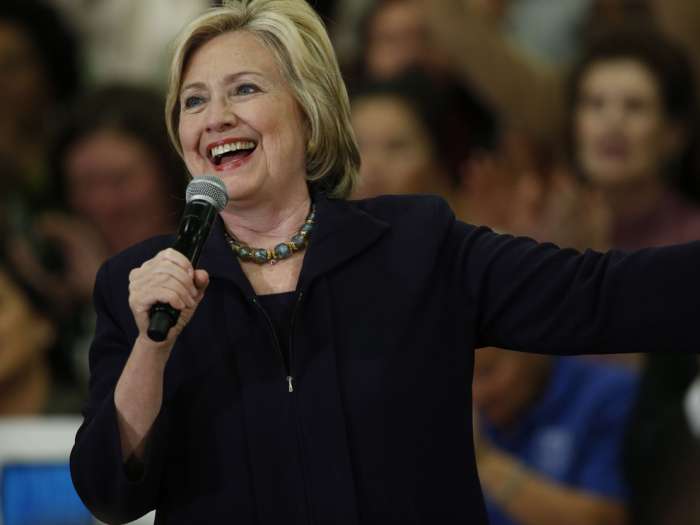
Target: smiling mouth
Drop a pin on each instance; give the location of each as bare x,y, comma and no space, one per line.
231,151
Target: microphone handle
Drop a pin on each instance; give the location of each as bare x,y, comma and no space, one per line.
193,232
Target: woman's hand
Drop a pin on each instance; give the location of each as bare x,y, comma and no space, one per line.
167,278
81,251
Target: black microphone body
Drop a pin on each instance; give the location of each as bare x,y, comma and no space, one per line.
192,233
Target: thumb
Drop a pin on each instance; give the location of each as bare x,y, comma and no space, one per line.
201,280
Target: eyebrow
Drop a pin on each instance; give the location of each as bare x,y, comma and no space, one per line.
227,80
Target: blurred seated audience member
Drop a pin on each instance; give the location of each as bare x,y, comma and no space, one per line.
523,87
549,442
410,139
25,336
632,142
633,125
395,40
121,183
39,75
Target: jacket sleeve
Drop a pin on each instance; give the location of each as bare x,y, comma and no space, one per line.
114,492
540,298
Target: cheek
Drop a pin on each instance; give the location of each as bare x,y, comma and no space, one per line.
189,140
586,128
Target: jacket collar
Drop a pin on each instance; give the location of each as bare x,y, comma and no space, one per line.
342,232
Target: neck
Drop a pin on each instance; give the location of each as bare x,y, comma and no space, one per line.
628,201
265,224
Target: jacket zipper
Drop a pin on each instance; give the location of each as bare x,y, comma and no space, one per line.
287,367
289,377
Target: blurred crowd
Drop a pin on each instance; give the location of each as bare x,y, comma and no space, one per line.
569,121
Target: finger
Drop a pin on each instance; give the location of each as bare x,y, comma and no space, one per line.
143,302
154,281
157,270
201,279
176,257
170,271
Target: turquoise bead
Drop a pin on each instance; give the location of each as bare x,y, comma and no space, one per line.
282,251
260,255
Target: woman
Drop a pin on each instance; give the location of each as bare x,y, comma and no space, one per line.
633,114
410,139
117,177
334,385
40,73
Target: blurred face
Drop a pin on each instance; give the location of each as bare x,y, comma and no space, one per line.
115,183
506,383
396,151
23,84
240,121
397,39
622,133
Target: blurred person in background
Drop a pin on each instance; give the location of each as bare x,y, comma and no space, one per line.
120,182
395,40
39,75
633,135
549,439
26,337
633,124
410,140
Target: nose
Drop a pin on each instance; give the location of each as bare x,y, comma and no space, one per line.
221,115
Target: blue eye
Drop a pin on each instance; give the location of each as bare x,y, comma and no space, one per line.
246,89
193,101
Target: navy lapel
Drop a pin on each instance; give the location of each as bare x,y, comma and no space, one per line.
221,263
342,231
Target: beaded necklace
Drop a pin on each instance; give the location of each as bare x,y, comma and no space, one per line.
283,250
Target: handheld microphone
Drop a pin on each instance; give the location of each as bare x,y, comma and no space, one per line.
205,196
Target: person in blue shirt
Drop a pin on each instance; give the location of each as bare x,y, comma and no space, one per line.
550,438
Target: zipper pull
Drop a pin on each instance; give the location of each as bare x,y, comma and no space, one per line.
291,386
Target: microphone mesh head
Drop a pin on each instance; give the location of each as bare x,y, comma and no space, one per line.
208,188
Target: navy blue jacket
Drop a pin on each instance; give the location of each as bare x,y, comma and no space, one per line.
394,296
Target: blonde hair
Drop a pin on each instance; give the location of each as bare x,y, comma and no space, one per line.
295,34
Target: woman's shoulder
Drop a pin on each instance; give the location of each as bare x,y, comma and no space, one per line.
406,209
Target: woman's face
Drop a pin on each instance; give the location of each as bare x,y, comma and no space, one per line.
622,133
240,121
116,184
397,154
25,90
396,39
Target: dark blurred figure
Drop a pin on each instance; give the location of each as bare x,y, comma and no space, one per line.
26,337
633,124
120,182
411,140
396,40
549,446
39,74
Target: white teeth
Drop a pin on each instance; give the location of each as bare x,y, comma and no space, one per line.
231,146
